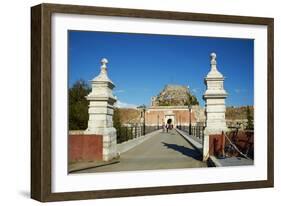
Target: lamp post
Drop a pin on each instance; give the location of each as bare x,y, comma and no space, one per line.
158,121
189,108
143,109
180,122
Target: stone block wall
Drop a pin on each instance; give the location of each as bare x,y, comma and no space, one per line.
153,117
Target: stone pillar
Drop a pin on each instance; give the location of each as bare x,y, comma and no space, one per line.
101,101
214,97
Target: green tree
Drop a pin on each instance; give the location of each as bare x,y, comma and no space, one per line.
250,123
193,100
164,103
116,118
78,105
117,124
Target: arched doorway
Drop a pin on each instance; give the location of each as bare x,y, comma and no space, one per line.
169,121
170,118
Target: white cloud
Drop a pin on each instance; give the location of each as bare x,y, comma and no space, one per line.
195,90
119,91
238,91
120,104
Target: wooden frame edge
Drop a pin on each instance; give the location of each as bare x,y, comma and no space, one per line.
270,102
157,14
100,194
36,58
40,102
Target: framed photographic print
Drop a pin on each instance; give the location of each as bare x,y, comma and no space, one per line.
130,102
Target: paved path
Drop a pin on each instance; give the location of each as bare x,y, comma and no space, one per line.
163,151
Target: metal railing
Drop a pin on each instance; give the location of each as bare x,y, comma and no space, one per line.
126,133
196,131
149,129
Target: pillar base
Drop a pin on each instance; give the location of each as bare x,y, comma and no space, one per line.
205,148
109,141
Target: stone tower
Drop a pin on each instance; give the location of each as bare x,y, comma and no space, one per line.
214,97
101,101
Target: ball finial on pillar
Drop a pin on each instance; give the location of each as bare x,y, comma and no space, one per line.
104,61
213,58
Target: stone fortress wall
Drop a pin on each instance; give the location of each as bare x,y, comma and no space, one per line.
180,115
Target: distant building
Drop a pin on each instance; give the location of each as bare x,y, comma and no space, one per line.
176,104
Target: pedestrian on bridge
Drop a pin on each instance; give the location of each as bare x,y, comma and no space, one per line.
167,127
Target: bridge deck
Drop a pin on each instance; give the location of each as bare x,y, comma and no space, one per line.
163,151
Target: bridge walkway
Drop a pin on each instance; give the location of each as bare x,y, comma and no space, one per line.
162,151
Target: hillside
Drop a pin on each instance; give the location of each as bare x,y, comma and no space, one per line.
174,95
126,115
234,113
132,116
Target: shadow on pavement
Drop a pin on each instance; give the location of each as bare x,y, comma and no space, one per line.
184,150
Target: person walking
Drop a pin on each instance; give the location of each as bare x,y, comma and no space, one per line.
167,127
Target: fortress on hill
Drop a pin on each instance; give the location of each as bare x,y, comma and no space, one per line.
174,102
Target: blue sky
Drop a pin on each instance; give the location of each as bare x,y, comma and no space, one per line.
140,65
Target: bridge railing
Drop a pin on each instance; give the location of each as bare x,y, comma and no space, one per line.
126,133
196,131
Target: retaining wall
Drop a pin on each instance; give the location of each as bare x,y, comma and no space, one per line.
83,147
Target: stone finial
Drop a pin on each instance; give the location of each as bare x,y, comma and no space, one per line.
102,77
104,61
214,73
213,60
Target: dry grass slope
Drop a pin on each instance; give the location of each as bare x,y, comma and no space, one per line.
233,113
129,115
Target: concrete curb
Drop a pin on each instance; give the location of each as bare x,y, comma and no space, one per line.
194,144
125,146
89,165
213,161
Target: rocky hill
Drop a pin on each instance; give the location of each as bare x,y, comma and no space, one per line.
174,95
